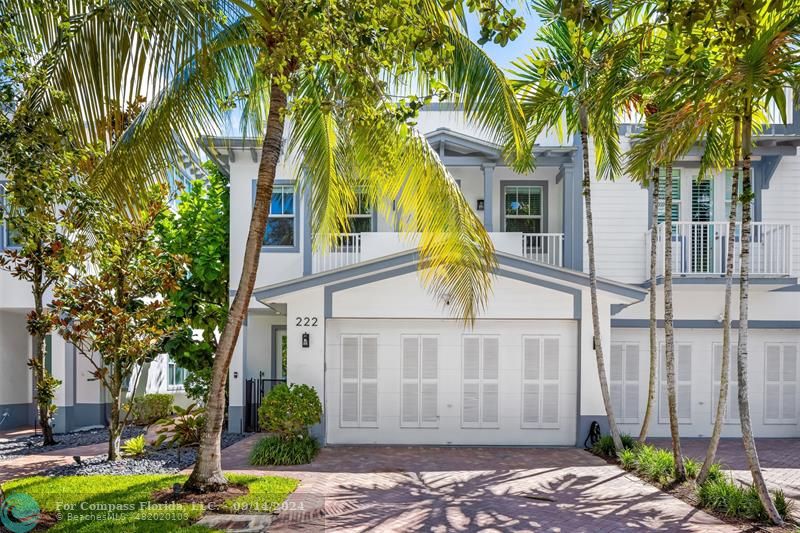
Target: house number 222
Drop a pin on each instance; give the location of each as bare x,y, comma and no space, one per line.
306,321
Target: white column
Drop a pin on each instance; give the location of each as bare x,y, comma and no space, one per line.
591,397
488,188
63,369
236,383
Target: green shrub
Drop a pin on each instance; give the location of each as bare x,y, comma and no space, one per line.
605,446
134,447
183,430
288,411
275,450
692,467
715,472
627,459
732,499
149,408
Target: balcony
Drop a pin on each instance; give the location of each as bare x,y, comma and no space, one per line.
700,249
352,248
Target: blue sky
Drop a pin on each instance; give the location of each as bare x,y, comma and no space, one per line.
503,56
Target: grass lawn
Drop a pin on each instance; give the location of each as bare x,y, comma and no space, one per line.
120,503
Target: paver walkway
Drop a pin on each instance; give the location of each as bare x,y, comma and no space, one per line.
31,465
396,488
779,458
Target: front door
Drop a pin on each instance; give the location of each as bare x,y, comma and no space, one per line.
279,355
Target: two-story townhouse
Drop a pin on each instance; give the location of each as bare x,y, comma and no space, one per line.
393,365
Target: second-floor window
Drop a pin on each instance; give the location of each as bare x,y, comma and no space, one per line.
676,194
281,223
523,208
361,218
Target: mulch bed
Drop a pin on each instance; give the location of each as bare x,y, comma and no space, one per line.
210,500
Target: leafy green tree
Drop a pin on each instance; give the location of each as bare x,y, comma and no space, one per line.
38,162
199,229
571,84
111,306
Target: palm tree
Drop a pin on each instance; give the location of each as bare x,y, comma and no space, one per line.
653,328
574,79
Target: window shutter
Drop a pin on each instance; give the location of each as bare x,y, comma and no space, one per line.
349,407
772,387
550,382
684,381
410,385
631,389
429,382
789,382
616,378
530,381
369,381
480,386
780,402
471,382
732,405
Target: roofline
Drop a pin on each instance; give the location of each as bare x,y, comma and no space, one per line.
412,256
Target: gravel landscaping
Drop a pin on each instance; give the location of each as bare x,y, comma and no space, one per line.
31,445
161,461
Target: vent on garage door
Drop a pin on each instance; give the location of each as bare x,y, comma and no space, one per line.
420,386
732,403
780,387
480,372
624,381
359,384
683,384
540,383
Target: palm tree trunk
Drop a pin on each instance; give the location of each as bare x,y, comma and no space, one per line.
651,384
207,475
669,333
722,402
744,289
598,345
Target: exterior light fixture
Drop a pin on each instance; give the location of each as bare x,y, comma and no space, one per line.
480,204
306,340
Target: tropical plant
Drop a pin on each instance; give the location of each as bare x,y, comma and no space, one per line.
275,450
134,447
184,429
288,411
730,498
605,446
111,306
199,229
571,83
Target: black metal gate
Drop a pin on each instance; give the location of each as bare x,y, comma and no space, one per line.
255,390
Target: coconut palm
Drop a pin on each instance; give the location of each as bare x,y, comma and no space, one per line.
571,84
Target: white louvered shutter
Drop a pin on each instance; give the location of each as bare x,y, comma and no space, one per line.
683,380
531,363
732,402
631,389
490,415
780,388
471,382
550,381
429,382
410,385
616,382
369,381
663,405
349,383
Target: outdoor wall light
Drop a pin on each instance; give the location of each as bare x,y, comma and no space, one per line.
306,340
480,204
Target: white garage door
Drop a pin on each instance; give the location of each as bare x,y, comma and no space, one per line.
405,381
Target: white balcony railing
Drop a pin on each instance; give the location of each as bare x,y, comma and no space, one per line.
547,248
345,250
700,248
350,248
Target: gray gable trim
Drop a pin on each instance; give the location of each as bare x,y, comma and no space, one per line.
411,257
795,287
576,293
705,324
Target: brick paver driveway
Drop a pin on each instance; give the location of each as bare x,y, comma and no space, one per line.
779,458
361,488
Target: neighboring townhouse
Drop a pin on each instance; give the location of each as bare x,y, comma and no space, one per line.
393,365
81,401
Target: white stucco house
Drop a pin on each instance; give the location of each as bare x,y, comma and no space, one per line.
392,364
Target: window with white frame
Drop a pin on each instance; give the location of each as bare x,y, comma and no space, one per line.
780,383
540,382
676,194
360,219
420,381
359,381
624,381
683,383
480,386
281,222
732,401
524,208
6,235
176,375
